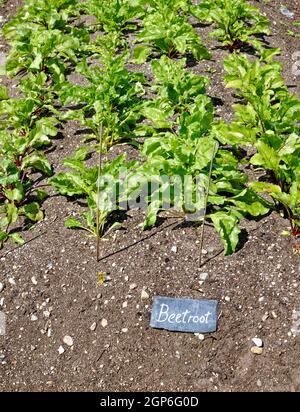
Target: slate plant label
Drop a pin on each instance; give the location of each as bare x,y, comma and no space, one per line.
184,315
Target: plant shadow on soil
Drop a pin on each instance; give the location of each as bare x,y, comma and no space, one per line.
143,239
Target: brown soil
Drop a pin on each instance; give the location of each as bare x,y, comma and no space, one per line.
257,287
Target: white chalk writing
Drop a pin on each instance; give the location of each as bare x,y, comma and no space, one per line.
182,317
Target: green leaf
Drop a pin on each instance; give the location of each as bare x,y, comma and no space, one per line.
33,212
16,194
65,184
234,134
37,62
227,227
46,126
89,216
200,52
38,162
157,116
82,153
265,187
266,157
3,237
140,54
3,93
291,145
152,212
76,162
268,54
40,194
248,201
17,238
72,223
12,213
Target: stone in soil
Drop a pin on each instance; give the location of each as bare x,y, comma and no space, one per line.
257,342
33,280
68,340
144,295
93,326
203,276
256,350
104,323
61,350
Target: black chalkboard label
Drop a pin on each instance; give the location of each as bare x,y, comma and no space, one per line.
184,315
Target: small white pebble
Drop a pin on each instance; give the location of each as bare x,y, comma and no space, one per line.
200,336
46,313
257,342
1,286
203,276
68,340
124,305
104,323
93,326
33,280
33,317
132,286
124,330
12,281
144,295
174,249
61,350
227,298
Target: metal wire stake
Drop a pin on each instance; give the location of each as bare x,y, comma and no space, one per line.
98,193
206,201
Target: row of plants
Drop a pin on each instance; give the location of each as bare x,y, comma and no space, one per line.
44,45
272,115
170,120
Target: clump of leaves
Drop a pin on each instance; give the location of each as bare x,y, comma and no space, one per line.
167,31
176,91
115,15
266,103
49,51
82,183
42,15
238,22
42,38
175,173
112,96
